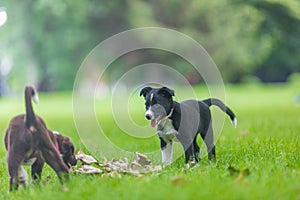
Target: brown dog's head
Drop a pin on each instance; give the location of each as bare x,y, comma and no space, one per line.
66,149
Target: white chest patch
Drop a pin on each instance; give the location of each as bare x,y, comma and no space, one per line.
165,130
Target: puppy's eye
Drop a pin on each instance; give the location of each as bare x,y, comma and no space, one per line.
147,104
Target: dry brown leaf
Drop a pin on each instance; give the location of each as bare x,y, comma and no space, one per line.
244,132
64,188
241,179
241,174
86,159
135,165
142,159
114,168
114,175
233,171
179,180
88,169
46,180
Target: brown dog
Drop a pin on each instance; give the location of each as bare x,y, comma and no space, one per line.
29,142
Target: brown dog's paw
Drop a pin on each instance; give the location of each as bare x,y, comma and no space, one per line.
64,188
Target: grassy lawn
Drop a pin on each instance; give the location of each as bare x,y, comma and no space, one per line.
260,159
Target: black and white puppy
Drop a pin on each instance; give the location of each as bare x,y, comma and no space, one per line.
182,121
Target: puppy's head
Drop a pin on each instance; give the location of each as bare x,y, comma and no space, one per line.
159,103
66,149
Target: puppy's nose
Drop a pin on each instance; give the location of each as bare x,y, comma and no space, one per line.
74,162
148,116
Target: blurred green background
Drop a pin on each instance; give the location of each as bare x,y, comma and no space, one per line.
252,42
43,42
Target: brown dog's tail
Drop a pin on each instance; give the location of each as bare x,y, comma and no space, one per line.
221,105
30,93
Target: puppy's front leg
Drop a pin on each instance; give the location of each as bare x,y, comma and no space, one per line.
36,170
166,152
55,161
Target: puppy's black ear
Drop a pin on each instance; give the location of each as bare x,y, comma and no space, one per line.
145,91
66,142
167,91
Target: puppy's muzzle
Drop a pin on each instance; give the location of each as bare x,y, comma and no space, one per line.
149,115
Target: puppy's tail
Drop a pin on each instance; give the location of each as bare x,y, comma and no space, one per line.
222,106
30,93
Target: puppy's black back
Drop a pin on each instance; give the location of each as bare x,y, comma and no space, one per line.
189,118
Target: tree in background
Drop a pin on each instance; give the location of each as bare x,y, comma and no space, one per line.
47,41
282,25
243,37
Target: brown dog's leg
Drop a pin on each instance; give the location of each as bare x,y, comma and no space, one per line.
13,173
36,170
13,164
16,171
54,160
22,176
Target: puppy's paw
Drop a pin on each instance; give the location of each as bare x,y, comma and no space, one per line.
166,164
190,164
64,188
22,176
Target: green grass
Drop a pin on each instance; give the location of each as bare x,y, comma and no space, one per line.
266,143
